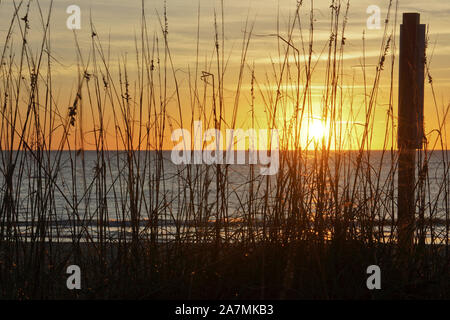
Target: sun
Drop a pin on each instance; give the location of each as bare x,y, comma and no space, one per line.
316,129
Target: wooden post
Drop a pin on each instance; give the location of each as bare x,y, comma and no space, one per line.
410,123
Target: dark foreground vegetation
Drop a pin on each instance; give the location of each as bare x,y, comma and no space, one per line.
297,270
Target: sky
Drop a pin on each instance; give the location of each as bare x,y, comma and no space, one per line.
118,25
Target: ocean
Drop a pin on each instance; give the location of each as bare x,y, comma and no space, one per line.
114,195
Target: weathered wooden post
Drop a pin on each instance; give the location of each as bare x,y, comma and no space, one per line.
410,122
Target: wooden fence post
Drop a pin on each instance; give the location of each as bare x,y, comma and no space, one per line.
410,123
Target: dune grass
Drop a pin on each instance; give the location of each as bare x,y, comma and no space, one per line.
310,231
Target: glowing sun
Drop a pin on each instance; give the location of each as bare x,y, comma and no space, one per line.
316,129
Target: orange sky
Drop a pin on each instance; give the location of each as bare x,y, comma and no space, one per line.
117,25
